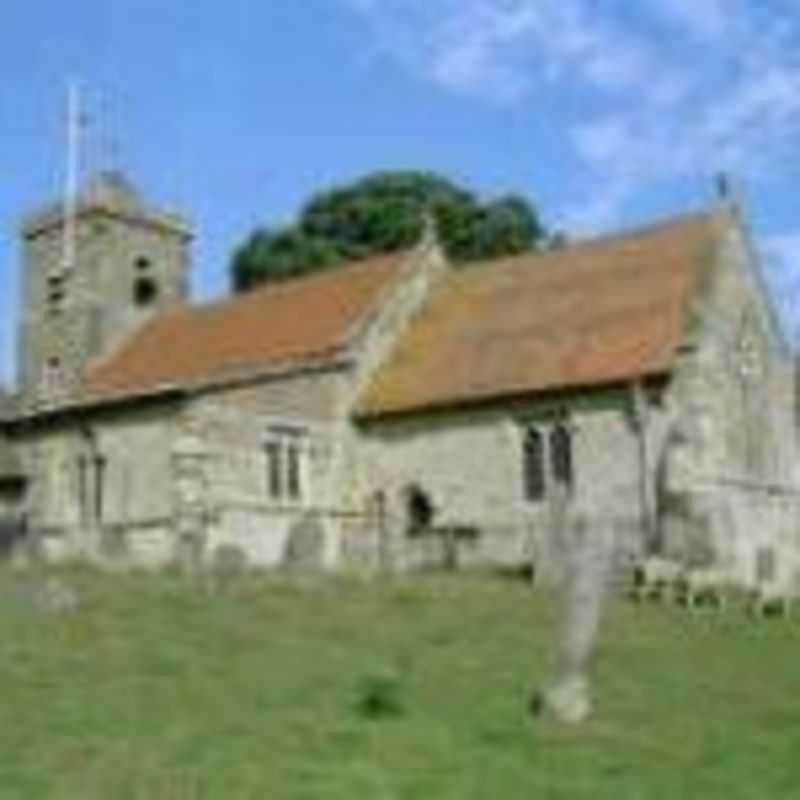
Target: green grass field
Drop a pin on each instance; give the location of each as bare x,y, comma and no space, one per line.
413,689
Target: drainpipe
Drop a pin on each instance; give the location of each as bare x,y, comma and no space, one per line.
89,533
640,426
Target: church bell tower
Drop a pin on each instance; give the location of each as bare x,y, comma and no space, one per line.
93,271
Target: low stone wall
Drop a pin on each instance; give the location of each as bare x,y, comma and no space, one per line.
383,544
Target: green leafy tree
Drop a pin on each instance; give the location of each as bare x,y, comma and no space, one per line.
280,254
381,213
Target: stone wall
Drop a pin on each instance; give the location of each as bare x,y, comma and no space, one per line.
730,402
206,461
231,428
470,463
717,438
70,316
722,438
137,492
189,478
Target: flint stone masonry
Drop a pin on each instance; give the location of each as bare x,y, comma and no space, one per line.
685,464
729,402
470,464
72,314
136,486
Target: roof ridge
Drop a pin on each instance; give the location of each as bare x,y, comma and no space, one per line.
470,270
640,229
314,276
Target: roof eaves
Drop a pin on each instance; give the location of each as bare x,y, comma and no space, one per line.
334,358
94,401
465,401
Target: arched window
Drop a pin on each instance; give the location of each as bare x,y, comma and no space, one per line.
419,508
145,292
293,480
287,464
533,463
275,469
561,454
100,466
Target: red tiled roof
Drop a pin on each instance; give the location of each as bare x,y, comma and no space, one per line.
594,313
302,319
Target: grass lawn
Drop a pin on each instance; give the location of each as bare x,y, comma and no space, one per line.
412,689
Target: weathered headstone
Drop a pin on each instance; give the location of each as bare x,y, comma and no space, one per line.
305,544
228,565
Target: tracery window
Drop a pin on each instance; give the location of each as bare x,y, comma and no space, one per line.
546,458
293,479
286,453
91,487
533,464
100,465
561,454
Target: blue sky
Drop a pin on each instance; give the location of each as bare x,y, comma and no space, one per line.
235,112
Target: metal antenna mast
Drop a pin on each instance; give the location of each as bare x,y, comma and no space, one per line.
74,123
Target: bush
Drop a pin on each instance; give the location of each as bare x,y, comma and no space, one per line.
380,695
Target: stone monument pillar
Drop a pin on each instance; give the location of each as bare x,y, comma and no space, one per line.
190,481
587,553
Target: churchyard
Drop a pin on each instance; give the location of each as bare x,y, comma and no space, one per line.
160,686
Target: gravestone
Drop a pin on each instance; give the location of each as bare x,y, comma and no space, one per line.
305,544
766,565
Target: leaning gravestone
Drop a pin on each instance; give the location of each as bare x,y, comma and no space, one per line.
588,554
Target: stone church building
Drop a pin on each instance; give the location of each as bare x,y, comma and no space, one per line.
345,418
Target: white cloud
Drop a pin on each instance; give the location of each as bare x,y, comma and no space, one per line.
679,87
603,139
504,49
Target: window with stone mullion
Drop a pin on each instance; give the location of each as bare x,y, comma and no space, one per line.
285,453
534,464
275,469
547,459
561,454
293,478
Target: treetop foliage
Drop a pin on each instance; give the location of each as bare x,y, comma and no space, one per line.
381,213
